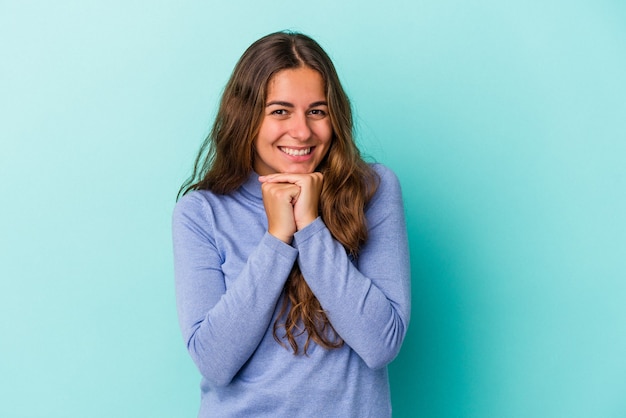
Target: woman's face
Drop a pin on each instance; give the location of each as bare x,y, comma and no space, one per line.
296,132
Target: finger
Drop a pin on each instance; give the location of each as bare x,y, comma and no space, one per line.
286,192
291,178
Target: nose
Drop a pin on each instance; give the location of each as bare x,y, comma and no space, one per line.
299,127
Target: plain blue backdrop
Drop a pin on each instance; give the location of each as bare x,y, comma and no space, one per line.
505,122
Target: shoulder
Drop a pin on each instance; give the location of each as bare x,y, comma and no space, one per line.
388,183
195,210
193,202
195,218
388,195
386,206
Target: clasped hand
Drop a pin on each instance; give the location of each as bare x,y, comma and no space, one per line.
291,202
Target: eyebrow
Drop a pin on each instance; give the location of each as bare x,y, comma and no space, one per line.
287,104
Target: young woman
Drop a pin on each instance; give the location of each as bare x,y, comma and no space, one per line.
291,256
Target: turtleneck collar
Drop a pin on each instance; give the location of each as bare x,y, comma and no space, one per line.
252,186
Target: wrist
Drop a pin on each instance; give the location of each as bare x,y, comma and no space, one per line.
300,225
286,238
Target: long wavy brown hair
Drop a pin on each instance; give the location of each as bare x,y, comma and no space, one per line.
226,160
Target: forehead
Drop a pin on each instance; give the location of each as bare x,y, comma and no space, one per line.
297,82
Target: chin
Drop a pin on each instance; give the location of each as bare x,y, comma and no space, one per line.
300,170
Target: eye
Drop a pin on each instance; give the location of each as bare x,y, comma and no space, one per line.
317,113
279,112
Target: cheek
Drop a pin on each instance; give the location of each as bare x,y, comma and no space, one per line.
269,132
329,138
325,132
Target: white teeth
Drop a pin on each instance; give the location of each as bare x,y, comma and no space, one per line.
296,152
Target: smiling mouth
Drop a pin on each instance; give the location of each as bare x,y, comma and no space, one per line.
296,152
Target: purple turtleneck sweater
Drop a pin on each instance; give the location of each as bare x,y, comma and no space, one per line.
230,274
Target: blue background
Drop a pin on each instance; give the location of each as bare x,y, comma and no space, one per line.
505,122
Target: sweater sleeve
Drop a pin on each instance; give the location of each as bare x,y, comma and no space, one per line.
368,303
223,326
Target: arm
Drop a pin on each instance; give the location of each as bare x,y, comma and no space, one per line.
222,327
368,305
